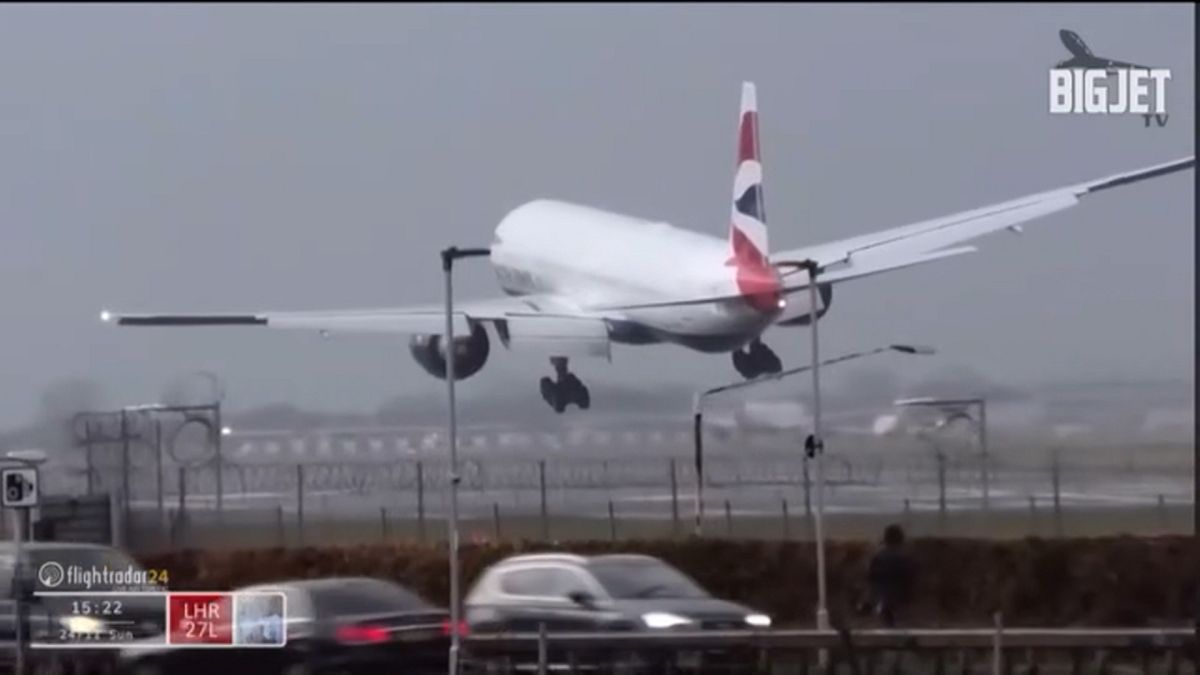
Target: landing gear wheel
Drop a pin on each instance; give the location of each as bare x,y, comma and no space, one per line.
565,389
552,393
575,392
766,359
745,365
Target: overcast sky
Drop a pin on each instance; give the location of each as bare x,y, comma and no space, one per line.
207,158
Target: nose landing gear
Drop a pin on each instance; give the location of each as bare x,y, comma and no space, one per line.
565,389
756,361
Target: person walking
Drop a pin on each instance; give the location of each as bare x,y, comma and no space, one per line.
891,576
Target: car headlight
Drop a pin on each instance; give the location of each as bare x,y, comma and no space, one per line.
758,620
82,624
664,620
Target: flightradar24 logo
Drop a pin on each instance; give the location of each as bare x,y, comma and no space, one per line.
1083,85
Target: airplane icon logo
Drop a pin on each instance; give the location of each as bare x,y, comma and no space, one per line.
1082,56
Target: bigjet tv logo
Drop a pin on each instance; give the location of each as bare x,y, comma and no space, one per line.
1091,85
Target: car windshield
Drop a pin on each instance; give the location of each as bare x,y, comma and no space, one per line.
364,596
637,579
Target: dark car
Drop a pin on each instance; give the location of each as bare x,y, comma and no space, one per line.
333,625
74,567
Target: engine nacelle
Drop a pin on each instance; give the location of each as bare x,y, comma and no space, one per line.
470,352
797,312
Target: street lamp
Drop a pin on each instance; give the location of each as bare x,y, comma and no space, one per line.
219,461
449,255
700,397
815,446
957,408
31,459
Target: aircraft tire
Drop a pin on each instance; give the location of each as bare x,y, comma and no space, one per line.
745,365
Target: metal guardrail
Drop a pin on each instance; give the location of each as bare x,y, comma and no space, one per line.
917,638
957,650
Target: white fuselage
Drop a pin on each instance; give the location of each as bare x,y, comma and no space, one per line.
601,260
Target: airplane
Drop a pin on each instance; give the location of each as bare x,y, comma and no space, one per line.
781,418
1082,57
578,279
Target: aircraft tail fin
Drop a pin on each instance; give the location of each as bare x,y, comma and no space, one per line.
748,221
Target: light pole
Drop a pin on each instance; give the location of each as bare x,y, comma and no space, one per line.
700,397
219,463
449,255
817,448
31,459
954,408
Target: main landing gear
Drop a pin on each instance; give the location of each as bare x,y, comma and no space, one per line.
565,389
756,361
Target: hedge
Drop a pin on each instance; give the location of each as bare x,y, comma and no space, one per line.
1117,581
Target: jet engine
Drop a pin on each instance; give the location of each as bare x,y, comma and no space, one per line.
470,352
797,312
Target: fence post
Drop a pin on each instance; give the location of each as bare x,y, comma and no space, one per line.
125,468
542,660
496,519
544,511
383,524
1033,522
674,501
941,474
907,514
158,469
612,522
420,501
169,523
808,514
997,646
786,525
1162,512
91,462
728,519
279,530
1055,481
300,504
181,521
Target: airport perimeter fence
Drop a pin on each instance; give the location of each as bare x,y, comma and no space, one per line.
748,493
995,651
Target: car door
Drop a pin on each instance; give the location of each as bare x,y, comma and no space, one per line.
539,594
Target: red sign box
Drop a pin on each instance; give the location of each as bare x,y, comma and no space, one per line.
200,618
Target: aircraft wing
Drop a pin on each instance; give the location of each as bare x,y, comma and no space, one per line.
943,237
539,321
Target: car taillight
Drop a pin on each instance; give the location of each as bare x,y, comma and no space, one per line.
362,634
447,628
